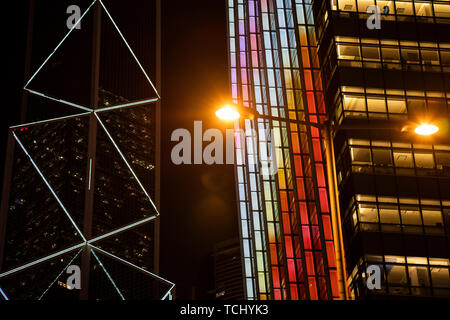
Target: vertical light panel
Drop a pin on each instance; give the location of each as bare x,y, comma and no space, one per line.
324,256
286,237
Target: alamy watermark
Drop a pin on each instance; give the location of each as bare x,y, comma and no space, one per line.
374,277
261,152
74,18
74,279
374,20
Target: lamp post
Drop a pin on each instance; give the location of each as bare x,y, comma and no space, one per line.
234,112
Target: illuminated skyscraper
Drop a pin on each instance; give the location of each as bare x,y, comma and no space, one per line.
297,61
286,225
394,186
82,171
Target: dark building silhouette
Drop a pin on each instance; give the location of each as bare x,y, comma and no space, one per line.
228,279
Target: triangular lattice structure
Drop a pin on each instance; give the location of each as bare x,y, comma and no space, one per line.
37,271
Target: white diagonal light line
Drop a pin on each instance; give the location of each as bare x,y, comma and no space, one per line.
50,120
120,230
108,275
126,162
129,48
168,292
127,105
132,265
49,186
57,47
3,294
59,275
59,100
54,255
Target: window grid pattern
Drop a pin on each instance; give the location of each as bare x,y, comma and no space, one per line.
266,74
399,79
253,41
392,54
295,236
313,159
257,214
403,275
396,157
276,102
250,36
407,56
296,266
377,103
393,214
430,11
264,80
239,88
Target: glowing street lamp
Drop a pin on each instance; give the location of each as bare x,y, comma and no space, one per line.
231,112
426,129
228,113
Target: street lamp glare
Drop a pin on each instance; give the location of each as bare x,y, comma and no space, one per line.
426,129
228,113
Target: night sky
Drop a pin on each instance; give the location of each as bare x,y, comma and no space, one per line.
198,202
198,206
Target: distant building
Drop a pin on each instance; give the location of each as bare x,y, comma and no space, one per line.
228,279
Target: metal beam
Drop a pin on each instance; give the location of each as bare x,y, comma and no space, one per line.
92,149
39,261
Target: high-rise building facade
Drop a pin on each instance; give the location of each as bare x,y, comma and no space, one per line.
82,171
285,221
394,186
306,65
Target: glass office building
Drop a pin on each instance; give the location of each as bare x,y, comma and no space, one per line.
82,169
314,61
286,228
